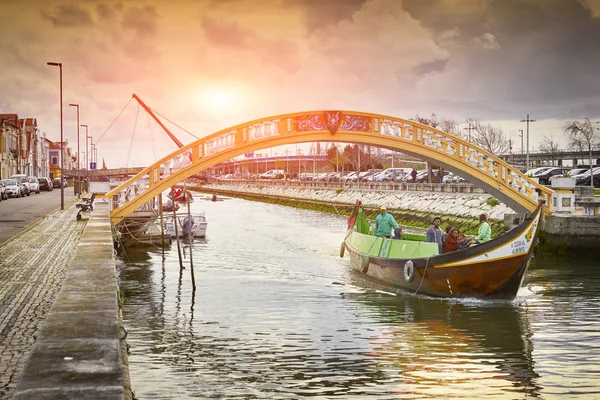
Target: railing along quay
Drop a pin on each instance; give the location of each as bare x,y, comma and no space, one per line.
379,186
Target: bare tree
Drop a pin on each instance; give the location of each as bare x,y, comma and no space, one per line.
432,120
582,136
550,147
488,137
450,126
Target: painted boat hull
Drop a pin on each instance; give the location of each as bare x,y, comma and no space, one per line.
492,270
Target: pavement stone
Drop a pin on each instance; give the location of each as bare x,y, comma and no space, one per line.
33,267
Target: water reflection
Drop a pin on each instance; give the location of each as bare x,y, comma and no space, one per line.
277,315
448,349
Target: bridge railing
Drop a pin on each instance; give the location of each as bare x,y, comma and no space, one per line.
477,165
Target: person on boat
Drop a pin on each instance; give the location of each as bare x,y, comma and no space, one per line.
451,243
214,197
463,241
446,233
170,205
485,232
434,234
384,223
398,232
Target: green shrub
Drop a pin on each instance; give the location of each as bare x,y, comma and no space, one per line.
492,202
338,191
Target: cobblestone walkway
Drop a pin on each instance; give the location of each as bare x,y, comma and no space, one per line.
32,270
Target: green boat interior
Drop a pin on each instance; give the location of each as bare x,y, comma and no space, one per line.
411,245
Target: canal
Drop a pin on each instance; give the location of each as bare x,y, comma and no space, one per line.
278,315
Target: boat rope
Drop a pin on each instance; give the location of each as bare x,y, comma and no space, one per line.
423,276
137,114
114,120
336,210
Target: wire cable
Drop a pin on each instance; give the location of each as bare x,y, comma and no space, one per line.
132,136
162,116
111,124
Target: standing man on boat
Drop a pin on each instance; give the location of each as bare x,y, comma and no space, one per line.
384,223
435,234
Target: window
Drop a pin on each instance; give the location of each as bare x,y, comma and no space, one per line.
54,160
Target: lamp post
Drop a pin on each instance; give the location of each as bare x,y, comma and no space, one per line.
527,156
86,146
62,144
78,164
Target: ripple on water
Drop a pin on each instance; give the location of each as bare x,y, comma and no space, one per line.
278,315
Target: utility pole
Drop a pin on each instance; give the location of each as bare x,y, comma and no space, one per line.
521,135
527,156
470,128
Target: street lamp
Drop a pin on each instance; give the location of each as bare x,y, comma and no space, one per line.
527,157
78,167
62,144
86,146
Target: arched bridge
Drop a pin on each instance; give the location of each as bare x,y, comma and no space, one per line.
435,146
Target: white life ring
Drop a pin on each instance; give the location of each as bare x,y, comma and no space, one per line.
409,271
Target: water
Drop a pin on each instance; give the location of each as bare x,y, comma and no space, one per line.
278,315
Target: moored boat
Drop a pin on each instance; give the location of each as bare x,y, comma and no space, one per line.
491,270
198,227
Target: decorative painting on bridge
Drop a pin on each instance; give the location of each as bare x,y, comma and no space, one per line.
333,121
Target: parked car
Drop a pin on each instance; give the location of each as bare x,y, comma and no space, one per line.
45,184
584,179
22,179
56,182
34,185
13,188
544,176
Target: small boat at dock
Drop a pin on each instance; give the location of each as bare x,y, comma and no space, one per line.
196,222
491,270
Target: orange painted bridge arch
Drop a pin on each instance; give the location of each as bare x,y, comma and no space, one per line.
409,137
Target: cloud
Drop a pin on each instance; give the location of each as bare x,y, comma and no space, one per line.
487,41
593,6
244,43
68,15
226,33
142,20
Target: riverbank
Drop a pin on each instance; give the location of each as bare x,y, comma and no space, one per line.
561,235
411,209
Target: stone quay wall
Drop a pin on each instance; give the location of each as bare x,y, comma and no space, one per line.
79,353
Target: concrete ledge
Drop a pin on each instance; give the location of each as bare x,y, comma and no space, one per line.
78,353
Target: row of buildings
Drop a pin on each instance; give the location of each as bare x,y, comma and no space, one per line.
24,149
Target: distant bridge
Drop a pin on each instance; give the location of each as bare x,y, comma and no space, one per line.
576,157
451,152
110,172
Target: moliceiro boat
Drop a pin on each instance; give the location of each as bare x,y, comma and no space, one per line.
491,270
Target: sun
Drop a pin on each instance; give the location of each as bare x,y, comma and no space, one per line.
216,99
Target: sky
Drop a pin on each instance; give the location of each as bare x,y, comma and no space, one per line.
210,64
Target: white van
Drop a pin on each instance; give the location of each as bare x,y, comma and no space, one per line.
272,174
393,174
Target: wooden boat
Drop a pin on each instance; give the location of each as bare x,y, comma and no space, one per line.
491,270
